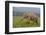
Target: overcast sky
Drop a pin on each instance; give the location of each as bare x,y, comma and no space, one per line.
26,9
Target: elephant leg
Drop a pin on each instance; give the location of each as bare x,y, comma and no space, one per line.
27,22
36,22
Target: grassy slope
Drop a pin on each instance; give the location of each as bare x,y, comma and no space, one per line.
18,23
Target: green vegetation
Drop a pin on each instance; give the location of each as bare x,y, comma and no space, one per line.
17,22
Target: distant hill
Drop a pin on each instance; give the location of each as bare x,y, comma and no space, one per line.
21,13
18,13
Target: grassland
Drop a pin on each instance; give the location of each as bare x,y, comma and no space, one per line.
25,23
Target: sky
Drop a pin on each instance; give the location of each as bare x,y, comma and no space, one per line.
26,9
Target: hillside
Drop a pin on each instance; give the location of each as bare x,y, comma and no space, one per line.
21,13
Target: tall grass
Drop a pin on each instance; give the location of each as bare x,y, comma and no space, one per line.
17,22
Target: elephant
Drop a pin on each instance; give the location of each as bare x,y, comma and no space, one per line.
30,17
